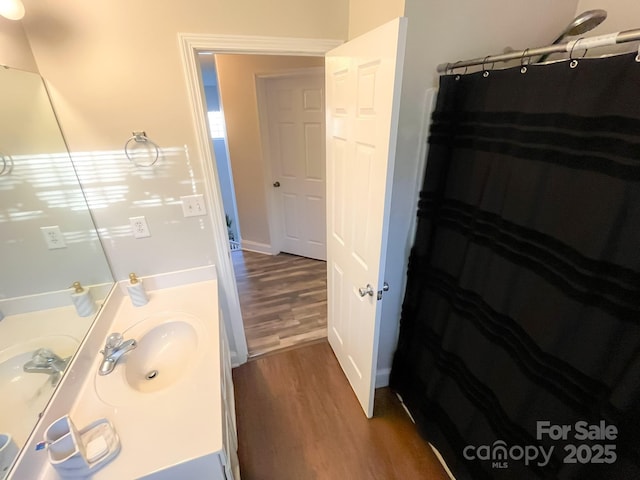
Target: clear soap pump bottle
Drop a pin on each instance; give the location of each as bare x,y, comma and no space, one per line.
85,306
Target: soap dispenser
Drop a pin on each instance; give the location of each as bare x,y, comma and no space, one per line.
136,291
85,306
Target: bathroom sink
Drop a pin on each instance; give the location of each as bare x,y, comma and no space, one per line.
169,346
25,395
163,353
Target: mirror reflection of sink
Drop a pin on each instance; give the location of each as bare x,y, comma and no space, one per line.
169,344
25,395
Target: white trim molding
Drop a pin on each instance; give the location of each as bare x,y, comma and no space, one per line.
382,377
259,247
291,72
309,47
190,44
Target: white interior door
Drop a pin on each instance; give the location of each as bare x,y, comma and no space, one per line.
295,111
363,79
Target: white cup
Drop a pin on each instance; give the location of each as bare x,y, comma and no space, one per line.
8,453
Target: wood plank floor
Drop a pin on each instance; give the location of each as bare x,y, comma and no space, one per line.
283,299
298,419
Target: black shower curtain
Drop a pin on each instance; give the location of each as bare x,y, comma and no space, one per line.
520,328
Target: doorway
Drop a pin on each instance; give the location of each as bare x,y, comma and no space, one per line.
271,165
292,118
283,300
356,84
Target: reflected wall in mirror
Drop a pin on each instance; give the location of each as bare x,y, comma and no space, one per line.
47,242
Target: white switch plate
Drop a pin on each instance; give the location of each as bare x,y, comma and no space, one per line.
140,227
193,205
53,236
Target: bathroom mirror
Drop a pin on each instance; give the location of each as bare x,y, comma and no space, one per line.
47,242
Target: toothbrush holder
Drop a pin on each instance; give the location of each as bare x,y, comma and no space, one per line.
66,450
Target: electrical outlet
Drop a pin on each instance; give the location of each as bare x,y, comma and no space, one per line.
193,206
53,236
140,227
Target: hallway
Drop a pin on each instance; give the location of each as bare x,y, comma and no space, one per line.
283,299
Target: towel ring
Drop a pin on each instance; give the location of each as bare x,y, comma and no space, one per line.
141,137
7,164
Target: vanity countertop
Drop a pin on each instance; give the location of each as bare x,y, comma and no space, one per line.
159,429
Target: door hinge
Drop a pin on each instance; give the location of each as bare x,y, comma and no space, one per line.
385,288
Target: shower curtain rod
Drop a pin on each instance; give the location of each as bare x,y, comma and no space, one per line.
579,44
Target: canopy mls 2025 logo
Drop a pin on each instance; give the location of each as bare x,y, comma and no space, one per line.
593,448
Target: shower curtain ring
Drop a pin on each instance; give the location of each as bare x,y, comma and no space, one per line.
486,72
523,62
574,62
453,68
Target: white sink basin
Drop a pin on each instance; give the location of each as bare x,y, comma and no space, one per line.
169,346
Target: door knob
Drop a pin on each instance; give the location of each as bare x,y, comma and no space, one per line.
276,184
368,290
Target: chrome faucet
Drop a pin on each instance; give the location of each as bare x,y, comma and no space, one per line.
45,361
114,348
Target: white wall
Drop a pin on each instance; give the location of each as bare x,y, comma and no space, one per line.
227,191
114,67
15,51
226,184
28,125
211,93
365,15
442,31
237,77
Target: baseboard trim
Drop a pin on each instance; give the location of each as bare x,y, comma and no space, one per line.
442,462
434,449
257,247
236,359
382,377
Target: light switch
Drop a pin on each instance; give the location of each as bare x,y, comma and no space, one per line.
193,205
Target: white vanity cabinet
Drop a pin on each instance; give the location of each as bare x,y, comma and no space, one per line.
229,430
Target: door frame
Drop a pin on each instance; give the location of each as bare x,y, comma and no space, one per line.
190,44
273,210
